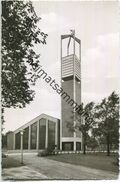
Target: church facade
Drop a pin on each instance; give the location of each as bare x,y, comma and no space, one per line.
40,133
46,131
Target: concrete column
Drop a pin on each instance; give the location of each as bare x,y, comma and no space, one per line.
60,143
21,147
61,133
37,144
29,138
74,145
13,141
56,134
46,139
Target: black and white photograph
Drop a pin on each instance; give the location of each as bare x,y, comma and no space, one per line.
60,90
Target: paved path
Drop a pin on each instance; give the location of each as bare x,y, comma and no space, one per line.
59,170
22,172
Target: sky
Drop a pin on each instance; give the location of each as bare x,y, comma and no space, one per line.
96,24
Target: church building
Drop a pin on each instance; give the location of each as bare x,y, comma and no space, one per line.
46,131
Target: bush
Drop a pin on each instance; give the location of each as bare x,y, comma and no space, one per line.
47,151
4,155
43,153
51,150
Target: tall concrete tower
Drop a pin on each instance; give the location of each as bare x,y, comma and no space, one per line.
71,85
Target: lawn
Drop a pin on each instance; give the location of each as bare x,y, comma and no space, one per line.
10,162
93,160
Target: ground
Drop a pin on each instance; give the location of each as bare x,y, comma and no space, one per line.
44,168
92,160
9,162
23,172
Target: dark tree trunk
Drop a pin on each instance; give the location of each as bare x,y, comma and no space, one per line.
84,148
84,143
108,144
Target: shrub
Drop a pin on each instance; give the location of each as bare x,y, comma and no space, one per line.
4,155
42,153
47,151
51,150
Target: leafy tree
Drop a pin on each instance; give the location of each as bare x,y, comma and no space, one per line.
107,114
92,143
98,135
19,60
2,117
84,122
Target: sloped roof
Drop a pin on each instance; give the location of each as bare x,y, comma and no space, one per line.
36,119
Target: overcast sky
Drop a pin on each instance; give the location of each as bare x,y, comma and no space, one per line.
97,25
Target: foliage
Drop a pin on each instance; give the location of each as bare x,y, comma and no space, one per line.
51,149
19,60
84,120
46,152
2,118
107,114
43,153
4,155
92,143
102,119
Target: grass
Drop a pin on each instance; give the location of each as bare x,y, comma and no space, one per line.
10,162
93,160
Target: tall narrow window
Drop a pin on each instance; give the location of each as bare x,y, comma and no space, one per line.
25,138
51,134
17,140
42,133
33,135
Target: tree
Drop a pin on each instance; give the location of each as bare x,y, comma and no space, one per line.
107,114
84,120
92,143
98,135
19,60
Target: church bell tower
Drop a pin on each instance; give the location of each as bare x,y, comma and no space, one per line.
71,84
